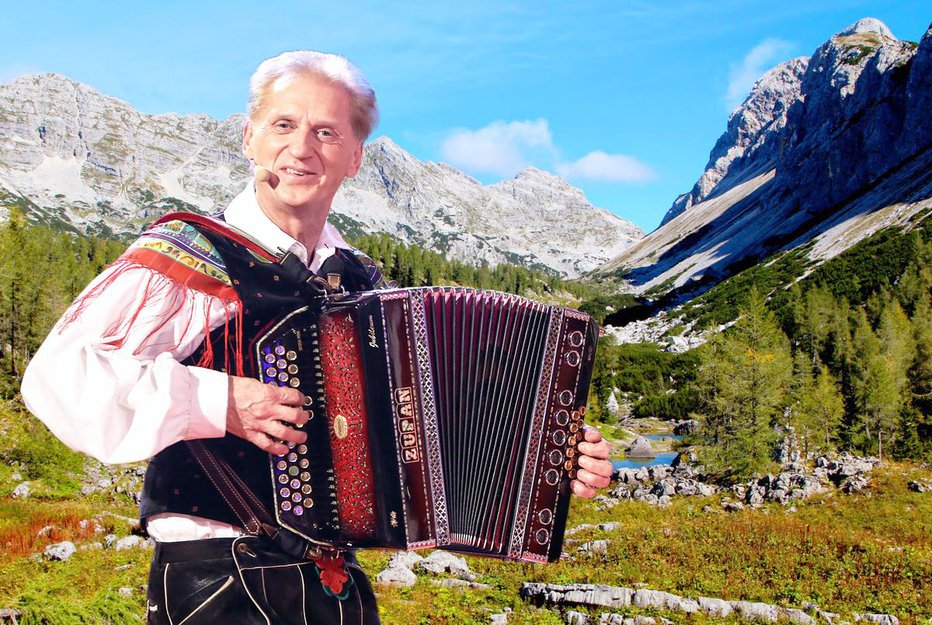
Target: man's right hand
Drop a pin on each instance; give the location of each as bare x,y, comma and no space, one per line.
263,414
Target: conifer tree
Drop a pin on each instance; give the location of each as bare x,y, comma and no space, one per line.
743,384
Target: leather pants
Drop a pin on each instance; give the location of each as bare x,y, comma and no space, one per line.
247,581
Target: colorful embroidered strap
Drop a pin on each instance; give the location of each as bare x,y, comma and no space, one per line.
349,433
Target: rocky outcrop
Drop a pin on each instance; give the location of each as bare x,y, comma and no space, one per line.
79,159
640,448
615,597
659,484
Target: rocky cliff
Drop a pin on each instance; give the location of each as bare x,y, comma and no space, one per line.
90,163
827,149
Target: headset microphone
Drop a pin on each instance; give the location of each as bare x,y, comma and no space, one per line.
262,174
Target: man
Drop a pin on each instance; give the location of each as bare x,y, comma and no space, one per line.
153,354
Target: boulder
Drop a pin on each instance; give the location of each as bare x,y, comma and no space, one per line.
439,562
640,448
60,551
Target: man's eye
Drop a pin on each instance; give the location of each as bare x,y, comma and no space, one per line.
327,135
283,125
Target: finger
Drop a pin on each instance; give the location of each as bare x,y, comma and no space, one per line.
285,434
288,414
596,450
595,465
285,395
591,434
263,442
592,479
581,490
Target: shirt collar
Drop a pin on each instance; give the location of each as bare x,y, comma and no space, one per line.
244,213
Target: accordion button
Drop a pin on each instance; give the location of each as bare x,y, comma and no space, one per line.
297,497
562,417
568,465
286,506
294,382
298,511
572,359
281,465
306,489
292,369
545,516
279,350
302,449
565,397
292,457
282,377
291,355
293,471
269,358
542,536
556,457
283,478
271,372
281,364
574,427
308,400
296,484
284,492
304,463
570,452
575,338
305,476
559,437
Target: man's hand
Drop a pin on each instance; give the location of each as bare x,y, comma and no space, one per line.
595,471
260,413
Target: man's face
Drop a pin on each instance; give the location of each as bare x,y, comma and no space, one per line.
304,135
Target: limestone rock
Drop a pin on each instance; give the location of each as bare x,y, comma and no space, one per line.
640,448
440,562
60,551
21,491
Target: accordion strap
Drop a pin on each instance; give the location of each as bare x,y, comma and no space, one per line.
248,509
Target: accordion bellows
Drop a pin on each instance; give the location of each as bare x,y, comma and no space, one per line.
441,417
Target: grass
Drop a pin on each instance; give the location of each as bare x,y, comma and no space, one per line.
870,552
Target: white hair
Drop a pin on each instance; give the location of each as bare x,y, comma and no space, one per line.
332,67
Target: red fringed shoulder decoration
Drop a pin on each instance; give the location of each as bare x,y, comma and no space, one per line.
181,262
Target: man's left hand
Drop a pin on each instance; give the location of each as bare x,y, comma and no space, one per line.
595,471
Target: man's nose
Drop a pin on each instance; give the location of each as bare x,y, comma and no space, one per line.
304,143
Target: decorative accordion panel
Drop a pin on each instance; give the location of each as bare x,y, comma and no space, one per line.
443,417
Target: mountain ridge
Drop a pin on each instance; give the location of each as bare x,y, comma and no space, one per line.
829,148
91,163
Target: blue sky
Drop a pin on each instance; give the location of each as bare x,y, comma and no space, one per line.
624,98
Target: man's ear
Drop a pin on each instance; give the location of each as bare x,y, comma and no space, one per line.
247,140
357,161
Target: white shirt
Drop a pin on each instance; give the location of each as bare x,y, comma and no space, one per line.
127,403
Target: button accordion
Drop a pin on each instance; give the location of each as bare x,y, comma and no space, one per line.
440,417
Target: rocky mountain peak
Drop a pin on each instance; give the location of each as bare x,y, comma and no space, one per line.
756,134
829,148
868,25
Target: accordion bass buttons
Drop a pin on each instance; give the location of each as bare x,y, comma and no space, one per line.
559,437
575,339
556,457
542,536
562,417
551,477
545,516
573,358
565,398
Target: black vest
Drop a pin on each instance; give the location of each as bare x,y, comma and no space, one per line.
174,482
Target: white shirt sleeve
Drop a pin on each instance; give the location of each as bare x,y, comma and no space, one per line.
110,382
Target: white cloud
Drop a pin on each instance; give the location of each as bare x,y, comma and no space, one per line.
607,167
761,58
502,148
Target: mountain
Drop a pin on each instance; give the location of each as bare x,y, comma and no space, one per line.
827,149
89,163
